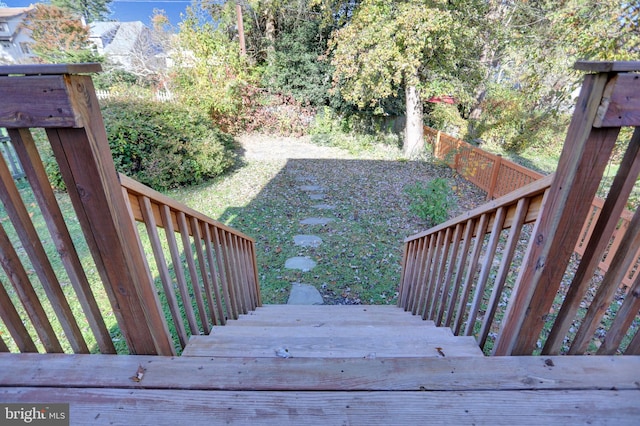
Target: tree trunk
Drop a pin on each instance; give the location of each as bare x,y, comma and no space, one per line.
414,131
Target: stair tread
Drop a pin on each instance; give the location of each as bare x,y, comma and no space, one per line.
322,330
332,347
284,315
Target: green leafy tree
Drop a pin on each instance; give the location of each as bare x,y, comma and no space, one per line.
426,47
210,72
58,36
90,10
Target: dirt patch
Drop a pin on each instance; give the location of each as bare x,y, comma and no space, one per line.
263,147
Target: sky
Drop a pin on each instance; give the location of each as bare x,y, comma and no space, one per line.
131,10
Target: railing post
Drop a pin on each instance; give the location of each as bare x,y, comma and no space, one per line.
436,146
580,169
56,98
495,171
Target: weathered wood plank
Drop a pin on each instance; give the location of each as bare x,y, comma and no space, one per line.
472,269
533,191
32,244
51,69
135,189
328,315
607,66
503,272
620,102
48,103
307,374
163,270
582,163
87,168
139,406
603,229
489,256
177,267
14,324
388,345
620,264
27,295
33,167
323,330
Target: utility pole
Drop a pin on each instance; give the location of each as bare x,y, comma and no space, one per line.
243,47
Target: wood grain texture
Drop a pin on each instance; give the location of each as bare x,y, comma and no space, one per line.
51,69
620,103
580,169
308,374
105,406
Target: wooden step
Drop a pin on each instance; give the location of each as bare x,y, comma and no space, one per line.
182,390
287,315
338,331
331,347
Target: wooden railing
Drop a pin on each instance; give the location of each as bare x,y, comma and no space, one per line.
222,280
9,154
505,272
498,177
69,272
449,270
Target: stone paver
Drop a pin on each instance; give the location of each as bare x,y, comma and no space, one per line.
316,221
302,263
312,188
307,240
316,197
304,294
323,207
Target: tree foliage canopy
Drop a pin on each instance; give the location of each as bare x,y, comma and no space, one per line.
58,36
90,10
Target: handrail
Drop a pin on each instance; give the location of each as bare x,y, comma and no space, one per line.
498,177
222,284
507,272
78,279
440,272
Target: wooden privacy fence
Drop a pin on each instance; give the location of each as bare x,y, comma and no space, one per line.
498,177
54,276
489,172
502,272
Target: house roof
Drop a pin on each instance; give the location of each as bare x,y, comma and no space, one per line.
125,39
10,12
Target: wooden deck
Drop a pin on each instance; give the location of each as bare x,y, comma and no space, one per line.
328,388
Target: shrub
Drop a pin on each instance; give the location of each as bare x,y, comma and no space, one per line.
164,145
432,201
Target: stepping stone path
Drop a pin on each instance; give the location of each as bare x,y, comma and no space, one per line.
307,240
300,262
323,207
305,294
316,221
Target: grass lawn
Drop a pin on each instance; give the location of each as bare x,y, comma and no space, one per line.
359,258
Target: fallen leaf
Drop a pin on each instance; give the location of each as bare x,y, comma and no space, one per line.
139,374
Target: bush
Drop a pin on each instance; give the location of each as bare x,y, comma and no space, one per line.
165,145
432,201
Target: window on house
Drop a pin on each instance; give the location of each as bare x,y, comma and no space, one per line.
4,27
24,46
6,44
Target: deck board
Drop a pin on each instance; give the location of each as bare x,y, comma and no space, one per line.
308,374
148,406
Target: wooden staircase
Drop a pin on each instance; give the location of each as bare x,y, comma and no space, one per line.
331,332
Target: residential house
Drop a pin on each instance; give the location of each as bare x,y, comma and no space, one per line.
130,45
14,39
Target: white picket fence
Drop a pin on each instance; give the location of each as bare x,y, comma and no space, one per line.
160,96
